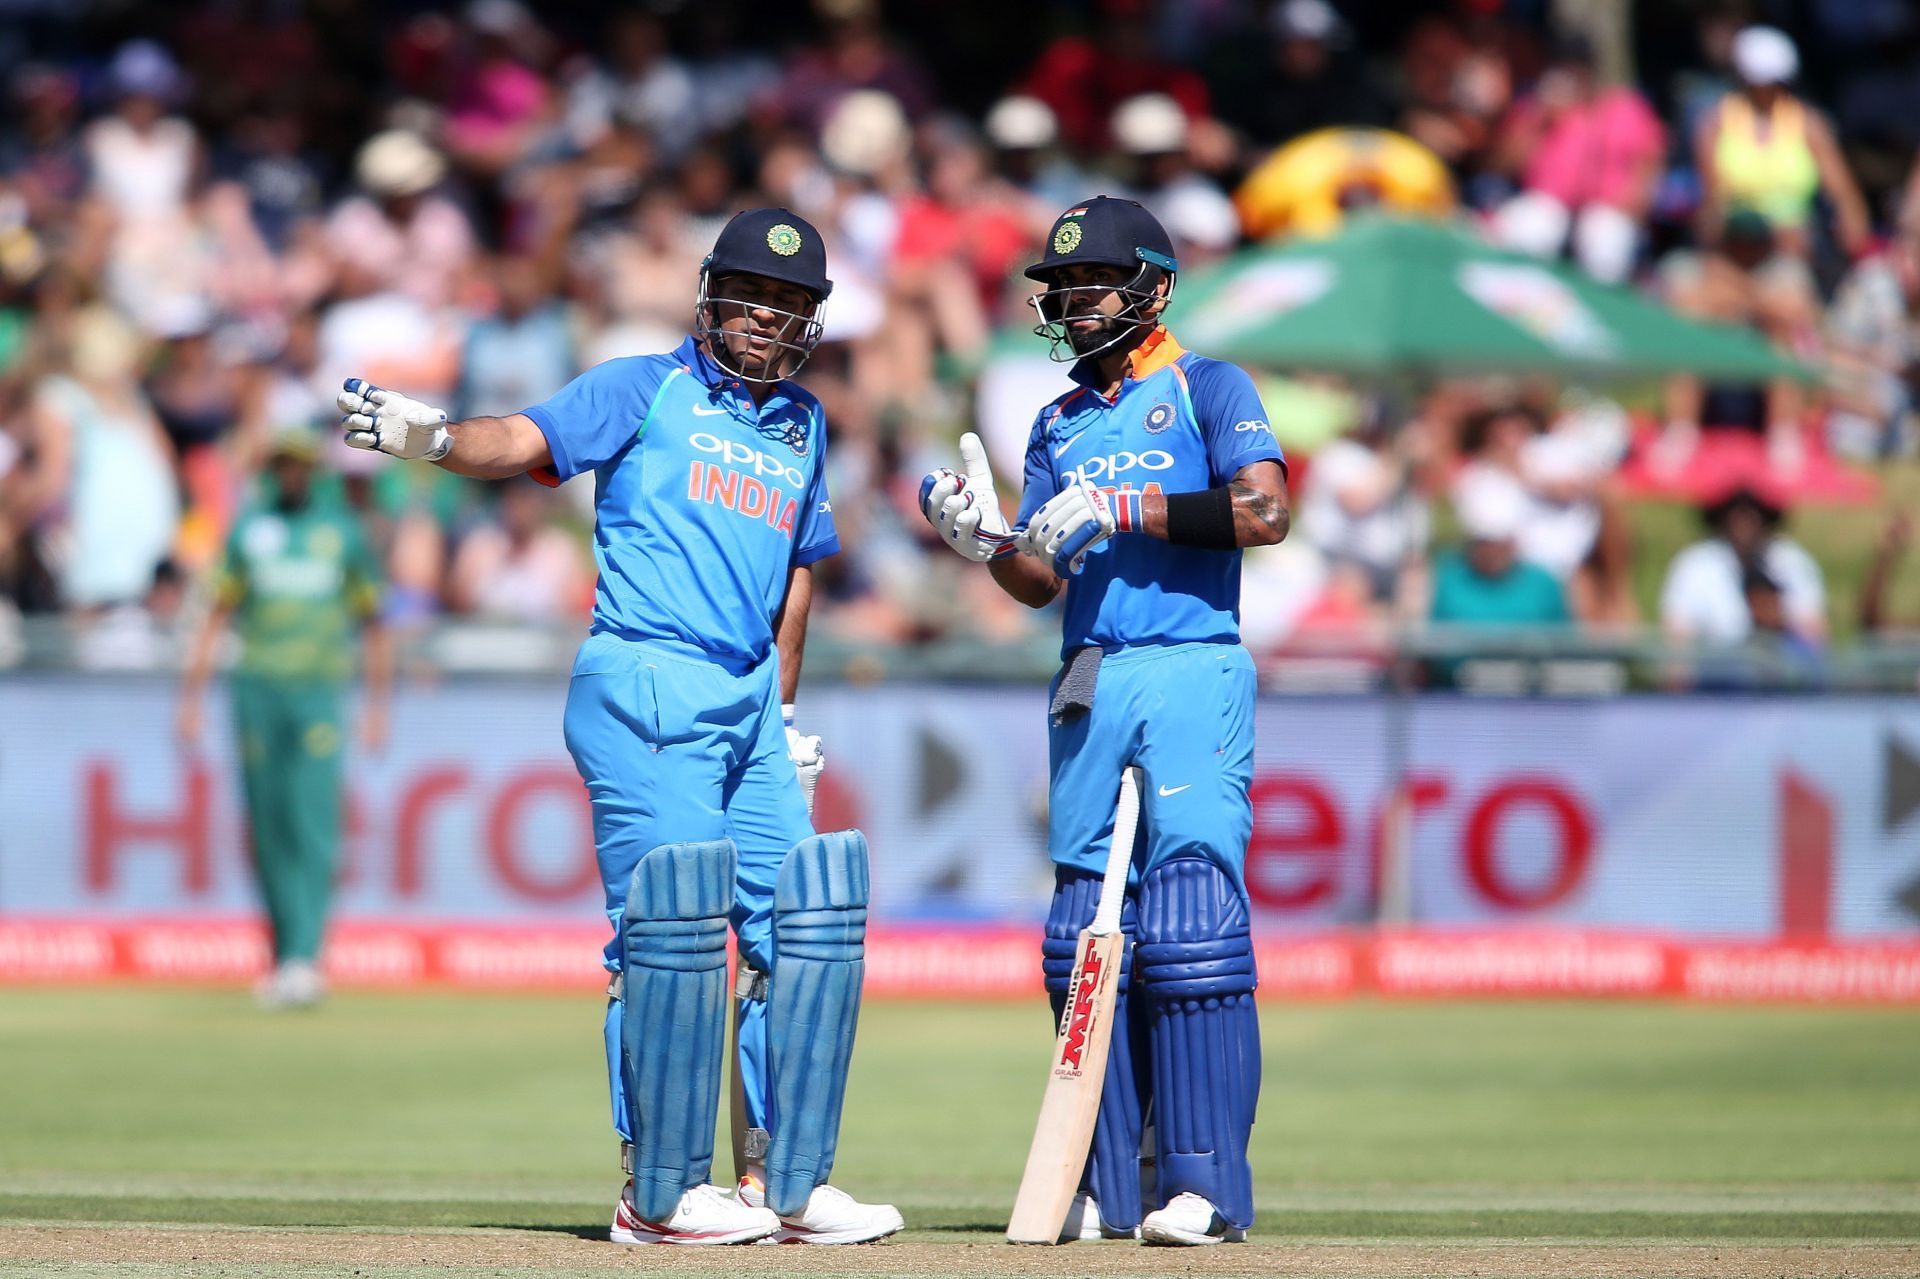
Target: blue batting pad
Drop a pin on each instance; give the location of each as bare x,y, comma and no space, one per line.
1194,962
819,948
673,948
1112,1176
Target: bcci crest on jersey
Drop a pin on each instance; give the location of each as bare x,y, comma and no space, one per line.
1159,418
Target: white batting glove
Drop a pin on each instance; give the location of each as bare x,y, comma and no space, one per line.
1071,523
808,759
376,418
964,508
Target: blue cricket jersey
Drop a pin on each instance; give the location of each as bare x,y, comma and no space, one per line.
1180,422
703,500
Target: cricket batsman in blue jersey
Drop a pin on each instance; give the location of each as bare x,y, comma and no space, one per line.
711,508
1142,484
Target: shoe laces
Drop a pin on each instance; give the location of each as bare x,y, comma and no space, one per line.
833,1193
708,1194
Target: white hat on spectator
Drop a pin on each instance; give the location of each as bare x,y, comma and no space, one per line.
1765,55
1150,124
866,132
1308,20
1493,509
142,68
399,162
497,17
1201,215
1021,123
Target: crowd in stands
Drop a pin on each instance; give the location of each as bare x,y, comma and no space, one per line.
212,212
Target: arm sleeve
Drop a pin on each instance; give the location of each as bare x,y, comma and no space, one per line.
814,537
1038,483
591,419
1233,422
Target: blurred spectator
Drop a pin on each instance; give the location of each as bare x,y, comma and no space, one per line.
195,392
642,84
1294,77
521,353
1152,133
1873,333
269,157
1486,583
521,568
1084,79
143,164
142,159
1766,150
99,493
854,52
500,102
1558,477
399,233
1741,280
1704,598
40,148
968,231
1459,81
729,73
1876,614
1788,645
1025,137
1365,505
1586,157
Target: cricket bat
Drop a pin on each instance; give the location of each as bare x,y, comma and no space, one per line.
1078,1068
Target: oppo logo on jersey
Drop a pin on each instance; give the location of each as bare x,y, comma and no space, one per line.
1095,469
748,458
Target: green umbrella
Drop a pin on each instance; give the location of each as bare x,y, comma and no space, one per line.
1389,297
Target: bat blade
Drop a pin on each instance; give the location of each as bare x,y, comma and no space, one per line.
1071,1103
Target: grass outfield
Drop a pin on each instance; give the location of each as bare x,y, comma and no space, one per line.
391,1136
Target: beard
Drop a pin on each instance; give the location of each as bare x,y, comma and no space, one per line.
1093,336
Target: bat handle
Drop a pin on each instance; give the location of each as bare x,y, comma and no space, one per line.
1113,886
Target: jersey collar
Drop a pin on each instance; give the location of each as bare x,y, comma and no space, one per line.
1159,350
717,378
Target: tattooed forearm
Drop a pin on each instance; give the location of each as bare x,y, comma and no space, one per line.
1260,517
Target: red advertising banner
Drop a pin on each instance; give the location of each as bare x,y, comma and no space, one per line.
998,963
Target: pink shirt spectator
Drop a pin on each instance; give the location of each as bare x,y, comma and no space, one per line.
495,103
422,257
1596,152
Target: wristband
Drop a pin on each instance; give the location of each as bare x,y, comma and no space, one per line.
1203,518
786,713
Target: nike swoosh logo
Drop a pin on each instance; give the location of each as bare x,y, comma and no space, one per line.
1066,444
700,412
1175,790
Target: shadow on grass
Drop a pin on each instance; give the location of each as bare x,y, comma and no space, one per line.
593,1234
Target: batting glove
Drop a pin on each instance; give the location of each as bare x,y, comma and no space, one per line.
376,418
808,759
965,509
1074,521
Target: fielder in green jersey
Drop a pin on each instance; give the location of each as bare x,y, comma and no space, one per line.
298,580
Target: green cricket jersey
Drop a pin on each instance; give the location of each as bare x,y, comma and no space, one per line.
300,583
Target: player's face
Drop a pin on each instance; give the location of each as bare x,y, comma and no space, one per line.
1090,300
754,314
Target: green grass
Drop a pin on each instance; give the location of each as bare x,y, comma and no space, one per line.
1605,1122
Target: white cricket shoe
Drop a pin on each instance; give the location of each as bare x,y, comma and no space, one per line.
831,1216
704,1215
1083,1223
293,984
1189,1220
